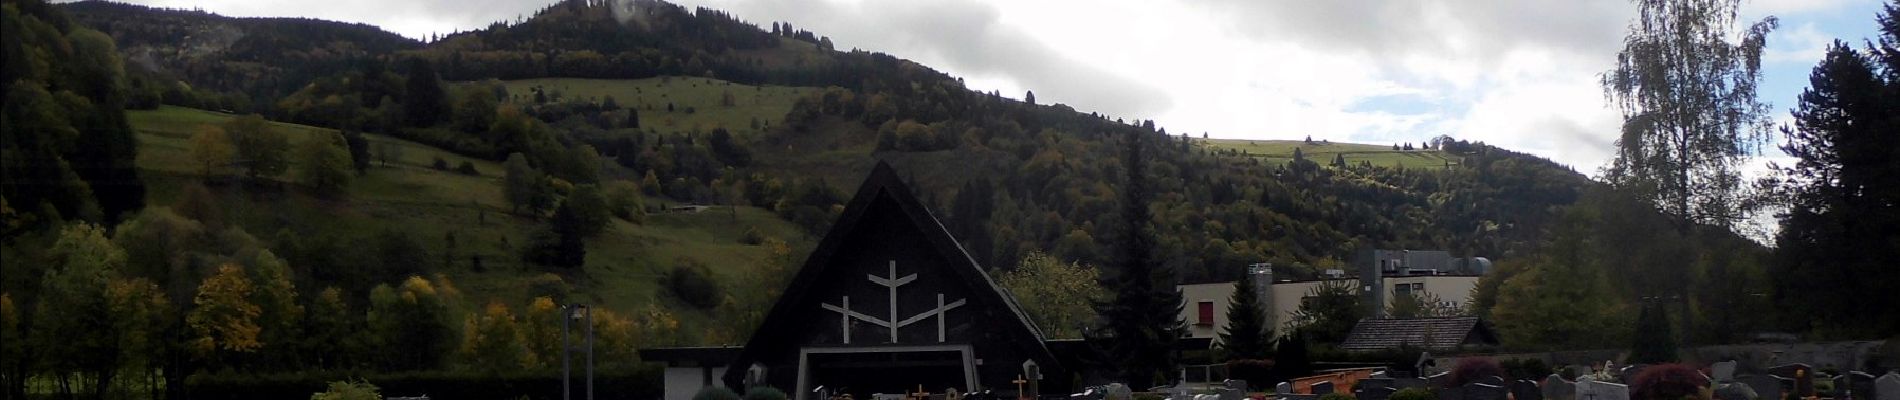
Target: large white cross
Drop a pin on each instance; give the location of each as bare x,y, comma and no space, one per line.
845,313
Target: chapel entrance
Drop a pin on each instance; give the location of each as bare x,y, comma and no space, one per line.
864,373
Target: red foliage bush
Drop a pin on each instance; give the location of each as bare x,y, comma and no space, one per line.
1667,382
1470,369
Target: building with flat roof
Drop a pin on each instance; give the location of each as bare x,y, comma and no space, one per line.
1394,273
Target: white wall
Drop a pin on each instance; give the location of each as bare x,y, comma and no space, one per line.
1286,298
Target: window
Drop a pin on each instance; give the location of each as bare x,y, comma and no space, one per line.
1206,309
1403,289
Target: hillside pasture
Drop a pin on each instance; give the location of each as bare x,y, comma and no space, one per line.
697,104
1281,151
624,267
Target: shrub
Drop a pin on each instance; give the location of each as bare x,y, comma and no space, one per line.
1667,382
764,393
752,236
341,390
467,168
1473,368
1414,393
715,392
693,284
1149,396
550,286
1336,396
1257,373
440,164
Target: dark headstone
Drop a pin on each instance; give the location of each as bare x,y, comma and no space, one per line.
1438,380
1526,390
1800,375
1493,380
1406,383
1736,391
1377,393
1484,391
1283,388
1764,386
1322,387
1854,385
1627,375
1556,388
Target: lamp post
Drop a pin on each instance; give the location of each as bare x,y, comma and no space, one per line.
571,314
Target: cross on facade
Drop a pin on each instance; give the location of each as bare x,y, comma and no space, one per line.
891,283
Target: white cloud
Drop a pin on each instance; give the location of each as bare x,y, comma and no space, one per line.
1803,45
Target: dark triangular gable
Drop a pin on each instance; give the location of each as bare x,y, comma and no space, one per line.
883,183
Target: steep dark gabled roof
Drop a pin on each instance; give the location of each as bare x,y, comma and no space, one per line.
883,183
1432,333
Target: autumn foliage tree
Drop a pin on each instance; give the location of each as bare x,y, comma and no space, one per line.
1057,295
211,148
224,321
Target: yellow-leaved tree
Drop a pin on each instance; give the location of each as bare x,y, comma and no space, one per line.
225,320
211,148
1058,296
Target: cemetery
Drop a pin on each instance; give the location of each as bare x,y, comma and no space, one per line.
889,307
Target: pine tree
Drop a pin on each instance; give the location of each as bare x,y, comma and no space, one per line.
1246,335
1653,343
1289,358
1143,316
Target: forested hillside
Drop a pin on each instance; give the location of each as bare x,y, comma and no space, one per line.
1009,177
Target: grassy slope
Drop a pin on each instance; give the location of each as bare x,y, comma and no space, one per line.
623,265
765,104
1322,153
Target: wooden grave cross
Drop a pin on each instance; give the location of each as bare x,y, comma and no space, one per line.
1020,395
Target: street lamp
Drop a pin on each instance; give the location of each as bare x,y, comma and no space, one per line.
576,313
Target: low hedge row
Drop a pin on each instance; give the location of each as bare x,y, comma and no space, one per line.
633,383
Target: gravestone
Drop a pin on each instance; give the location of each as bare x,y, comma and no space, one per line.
1854,385
1234,389
1322,387
1377,393
1524,389
1283,388
1801,377
1180,392
1764,386
1484,391
1887,387
1117,391
1438,380
1736,391
1493,380
1627,375
1556,388
1592,390
1724,372
1407,383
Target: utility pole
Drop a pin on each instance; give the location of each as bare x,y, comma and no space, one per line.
570,314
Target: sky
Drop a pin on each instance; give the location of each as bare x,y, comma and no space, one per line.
1521,74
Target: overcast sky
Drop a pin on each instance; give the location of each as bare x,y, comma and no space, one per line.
1516,73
